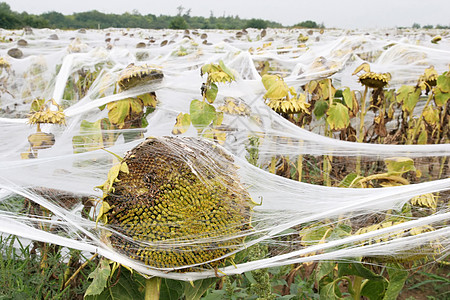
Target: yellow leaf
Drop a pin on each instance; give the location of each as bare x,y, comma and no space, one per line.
182,123
363,67
118,111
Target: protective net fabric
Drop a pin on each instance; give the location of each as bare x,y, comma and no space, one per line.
181,205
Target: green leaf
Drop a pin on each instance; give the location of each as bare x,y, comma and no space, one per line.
211,93
374,289
226,70
397,278
328,292
399,165
443,83
441,98
312,235
129,287
423,138
199,287
37,104
171,289
320,108
90,137
345,269
338,117
202,114
348,98
100,278
348,180
323,269
408,96
442,90
182,123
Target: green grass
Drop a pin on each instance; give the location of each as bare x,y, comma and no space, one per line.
23,274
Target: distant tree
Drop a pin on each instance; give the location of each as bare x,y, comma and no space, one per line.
8,18
178,23
427,27
439,26
256,23
55,19
416,26
309,24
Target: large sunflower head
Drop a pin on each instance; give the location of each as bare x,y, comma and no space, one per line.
178,203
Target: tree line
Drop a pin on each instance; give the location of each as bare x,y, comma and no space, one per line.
94,19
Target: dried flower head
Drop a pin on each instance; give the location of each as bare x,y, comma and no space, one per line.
177,202
372,79
41,113
133,76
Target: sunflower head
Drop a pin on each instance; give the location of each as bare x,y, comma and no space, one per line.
133,76
372,79
177,203
41,113
428,79
289,105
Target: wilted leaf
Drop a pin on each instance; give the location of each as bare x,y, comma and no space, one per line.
323,269
431,115
211,93
425,200
442,90
275,86
313,234
128,287
338,117
320,108
226,70
118,111
202,114
148,99
100,278
363,67
348,98
408,96
182,124
399,165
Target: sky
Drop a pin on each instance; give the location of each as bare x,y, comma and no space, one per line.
351,14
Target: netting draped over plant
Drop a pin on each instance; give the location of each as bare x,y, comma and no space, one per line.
206,169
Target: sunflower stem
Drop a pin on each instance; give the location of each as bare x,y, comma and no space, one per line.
152,288
362,116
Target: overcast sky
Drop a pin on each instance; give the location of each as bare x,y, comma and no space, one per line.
333,13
